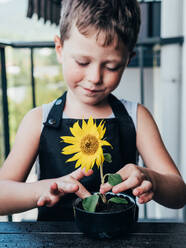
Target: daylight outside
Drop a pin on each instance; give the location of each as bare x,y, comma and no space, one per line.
155,78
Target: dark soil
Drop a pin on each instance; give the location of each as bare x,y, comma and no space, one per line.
111,206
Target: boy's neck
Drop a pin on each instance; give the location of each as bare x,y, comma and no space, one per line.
78,110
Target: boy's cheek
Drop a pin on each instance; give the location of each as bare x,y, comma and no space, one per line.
72,76
113,80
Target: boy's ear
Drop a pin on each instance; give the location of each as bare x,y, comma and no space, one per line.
132,55
58,48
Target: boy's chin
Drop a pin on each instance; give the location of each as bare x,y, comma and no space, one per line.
96,100
90,100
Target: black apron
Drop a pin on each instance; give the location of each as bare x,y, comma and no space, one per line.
120,133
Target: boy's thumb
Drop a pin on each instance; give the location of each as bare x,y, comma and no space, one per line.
79,173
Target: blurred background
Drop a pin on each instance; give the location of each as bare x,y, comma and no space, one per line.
31,76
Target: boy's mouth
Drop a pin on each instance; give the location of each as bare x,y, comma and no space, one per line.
93,91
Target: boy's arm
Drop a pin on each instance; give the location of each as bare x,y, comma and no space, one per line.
161,179
15,194
25,149
169,187
19,196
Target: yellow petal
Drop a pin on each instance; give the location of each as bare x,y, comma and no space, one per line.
100,158
92,165
69,139
75,157
90,122
92,129
105,143
101,124
101,131
78,163
87,162
76,130
70,149
84,125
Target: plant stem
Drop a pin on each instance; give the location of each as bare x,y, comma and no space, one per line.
101,174
103,197
106,175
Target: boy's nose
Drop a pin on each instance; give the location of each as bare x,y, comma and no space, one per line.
94,74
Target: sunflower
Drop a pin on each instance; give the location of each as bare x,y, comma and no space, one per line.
86,144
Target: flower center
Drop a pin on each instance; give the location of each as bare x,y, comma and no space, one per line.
89,144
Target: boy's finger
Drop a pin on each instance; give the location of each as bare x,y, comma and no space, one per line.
105,188
67,187
39,203
146,197
54,189
130,183
79,173
146,186
82,192
43,201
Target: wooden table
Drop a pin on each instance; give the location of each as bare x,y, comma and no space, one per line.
56,234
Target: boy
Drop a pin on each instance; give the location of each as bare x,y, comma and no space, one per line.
96,44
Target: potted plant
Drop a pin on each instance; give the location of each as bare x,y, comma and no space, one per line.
99,215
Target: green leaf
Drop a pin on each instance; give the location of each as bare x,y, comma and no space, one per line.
114,179
90,203
107,157
118,200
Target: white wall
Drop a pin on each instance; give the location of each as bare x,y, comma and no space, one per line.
129,87
183,100
171,59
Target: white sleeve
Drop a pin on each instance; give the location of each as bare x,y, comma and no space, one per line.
45,111
131,108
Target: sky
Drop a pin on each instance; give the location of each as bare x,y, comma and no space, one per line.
15,26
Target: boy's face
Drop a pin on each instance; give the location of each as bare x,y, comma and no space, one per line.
90,70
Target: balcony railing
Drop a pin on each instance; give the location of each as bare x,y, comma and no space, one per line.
142,60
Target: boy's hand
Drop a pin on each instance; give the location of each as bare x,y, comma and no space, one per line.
62,186
135,178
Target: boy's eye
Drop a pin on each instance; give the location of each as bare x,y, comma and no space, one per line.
82,63
114,68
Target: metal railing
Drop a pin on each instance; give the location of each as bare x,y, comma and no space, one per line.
140,61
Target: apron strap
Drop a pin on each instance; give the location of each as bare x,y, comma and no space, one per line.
117,106
55,114
126,124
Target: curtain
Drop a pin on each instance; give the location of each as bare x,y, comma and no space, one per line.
49,10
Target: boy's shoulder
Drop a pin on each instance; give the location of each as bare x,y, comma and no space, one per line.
34,113
31,122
